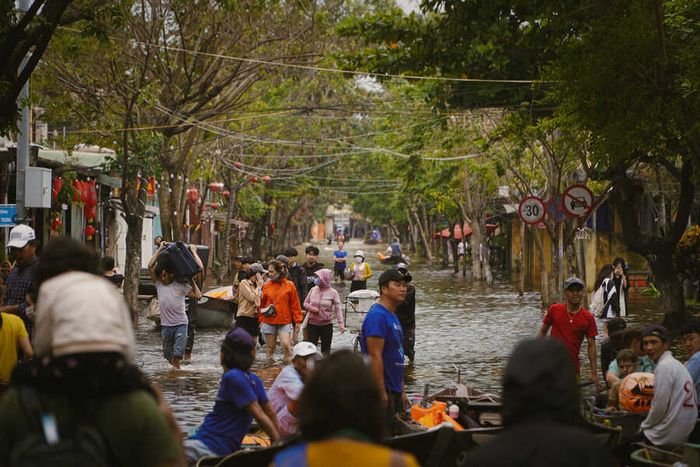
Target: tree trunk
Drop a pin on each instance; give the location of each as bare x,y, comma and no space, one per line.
544,278
476,241
445,251
228,235
668,283
133,263
166,218
424,240
455,257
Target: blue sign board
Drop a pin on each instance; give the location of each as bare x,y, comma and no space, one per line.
8,215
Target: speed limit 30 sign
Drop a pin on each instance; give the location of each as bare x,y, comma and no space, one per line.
531,210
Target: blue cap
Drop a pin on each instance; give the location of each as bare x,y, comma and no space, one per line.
239,338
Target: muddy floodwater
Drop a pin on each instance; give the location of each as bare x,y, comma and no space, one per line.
460,325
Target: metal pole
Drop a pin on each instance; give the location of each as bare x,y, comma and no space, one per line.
23,135
560,261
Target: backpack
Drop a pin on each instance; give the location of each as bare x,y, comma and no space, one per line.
77,443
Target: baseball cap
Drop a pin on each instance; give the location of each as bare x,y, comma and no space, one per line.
573,281
616,326
655,330
304,349
393,275
282,258
257,268
20,235
247,260
239,338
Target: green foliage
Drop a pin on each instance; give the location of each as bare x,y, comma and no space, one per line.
687,254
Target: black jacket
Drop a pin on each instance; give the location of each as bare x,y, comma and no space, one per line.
309,272
406,312
297,275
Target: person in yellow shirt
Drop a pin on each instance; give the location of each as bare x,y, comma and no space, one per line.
13,336
341,415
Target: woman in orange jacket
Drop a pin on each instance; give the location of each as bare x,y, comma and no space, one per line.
280,311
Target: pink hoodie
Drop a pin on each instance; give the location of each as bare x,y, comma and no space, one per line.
323,300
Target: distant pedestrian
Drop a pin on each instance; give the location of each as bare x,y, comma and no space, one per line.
340,414
241,398
323,304
613,292
540,411
171,301
381,339
361,272
690,334
296,273
280,310
597,300
340,263
406,312
310,267
109,271
570,323
20,281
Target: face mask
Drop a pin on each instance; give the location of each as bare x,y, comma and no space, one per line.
317,281
358,260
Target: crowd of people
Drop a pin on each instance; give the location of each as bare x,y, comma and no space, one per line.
72,394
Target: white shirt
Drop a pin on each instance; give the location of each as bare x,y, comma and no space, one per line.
171,301
673,409
286,388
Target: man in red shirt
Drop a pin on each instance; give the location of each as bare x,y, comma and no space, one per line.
570,323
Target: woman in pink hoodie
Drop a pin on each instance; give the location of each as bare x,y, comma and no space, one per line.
321,302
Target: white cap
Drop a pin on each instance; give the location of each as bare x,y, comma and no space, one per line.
304,349
20,235
359,253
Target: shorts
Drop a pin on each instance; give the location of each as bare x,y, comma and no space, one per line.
339,270
195,450
276,328
249,324
174,341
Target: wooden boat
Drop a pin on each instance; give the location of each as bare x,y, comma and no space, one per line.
475,406
214,309
651,455
627,422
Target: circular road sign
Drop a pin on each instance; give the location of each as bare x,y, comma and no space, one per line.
531,210
578,200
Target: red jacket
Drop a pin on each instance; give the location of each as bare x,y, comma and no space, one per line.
284,295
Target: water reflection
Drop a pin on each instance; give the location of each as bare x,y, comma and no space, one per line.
459,324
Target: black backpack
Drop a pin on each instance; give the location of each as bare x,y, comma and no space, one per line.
76,443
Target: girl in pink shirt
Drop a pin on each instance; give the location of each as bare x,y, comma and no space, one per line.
321,303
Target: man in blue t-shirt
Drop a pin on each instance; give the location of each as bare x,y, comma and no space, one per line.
382,340
339,262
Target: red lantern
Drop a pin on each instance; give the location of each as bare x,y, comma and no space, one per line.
215,205
89,231
216,186
84,191
76,191
90,212
225,193
56,224
56,188
237,165
192,195
253,179
91,194
266,179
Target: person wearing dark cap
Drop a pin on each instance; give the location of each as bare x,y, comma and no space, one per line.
612,343
570,323
406,312
673,412
241,398
381,339
540,410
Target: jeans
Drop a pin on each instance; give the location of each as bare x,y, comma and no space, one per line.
174,341
324,332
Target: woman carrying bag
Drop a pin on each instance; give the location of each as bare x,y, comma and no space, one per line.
610,299
279,309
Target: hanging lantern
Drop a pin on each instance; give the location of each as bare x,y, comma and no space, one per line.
215,205
237,165
56,224
89,231
151,189
56,186
266,179
85,192
192,195
76,191
225,193
216,186
253,179
90,212
91,194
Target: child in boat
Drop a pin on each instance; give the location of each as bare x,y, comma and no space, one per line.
241,398
627,361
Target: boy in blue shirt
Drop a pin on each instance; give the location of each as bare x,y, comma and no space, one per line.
340,263
382,340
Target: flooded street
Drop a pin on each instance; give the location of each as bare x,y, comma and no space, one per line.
459,324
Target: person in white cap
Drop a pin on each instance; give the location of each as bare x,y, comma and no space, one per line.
361,272
285,391
20,281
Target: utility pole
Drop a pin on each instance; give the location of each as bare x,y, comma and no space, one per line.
23,135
